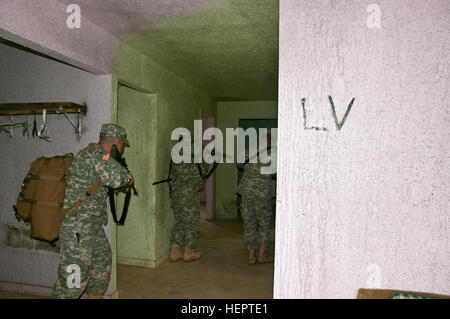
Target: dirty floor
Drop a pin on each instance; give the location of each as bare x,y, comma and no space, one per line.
222,272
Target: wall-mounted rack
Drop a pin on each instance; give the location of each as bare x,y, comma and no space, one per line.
37,108
44,108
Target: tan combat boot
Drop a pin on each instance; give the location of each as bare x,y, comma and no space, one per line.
251,257
190,254
263,258
175,253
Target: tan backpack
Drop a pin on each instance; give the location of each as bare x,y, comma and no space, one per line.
42,194
41,198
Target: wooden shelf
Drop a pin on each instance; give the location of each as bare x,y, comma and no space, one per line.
37,108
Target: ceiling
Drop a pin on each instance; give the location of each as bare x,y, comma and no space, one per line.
226,48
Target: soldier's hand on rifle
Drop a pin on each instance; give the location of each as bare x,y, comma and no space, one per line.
131,182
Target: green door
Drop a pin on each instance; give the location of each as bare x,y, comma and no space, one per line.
136,239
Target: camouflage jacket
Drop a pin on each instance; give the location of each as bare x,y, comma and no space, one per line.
87,166
253,183
186,176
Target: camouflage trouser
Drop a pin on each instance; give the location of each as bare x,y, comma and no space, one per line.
84,247
186,209
256,215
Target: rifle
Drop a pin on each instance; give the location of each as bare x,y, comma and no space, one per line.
167,180
255,156
115,154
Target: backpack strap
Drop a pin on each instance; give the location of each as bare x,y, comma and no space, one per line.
44,177
94,187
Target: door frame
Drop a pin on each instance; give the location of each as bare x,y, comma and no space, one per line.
113,291
208,188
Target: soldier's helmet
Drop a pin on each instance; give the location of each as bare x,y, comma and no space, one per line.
113,130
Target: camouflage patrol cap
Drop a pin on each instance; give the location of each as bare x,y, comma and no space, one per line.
113,130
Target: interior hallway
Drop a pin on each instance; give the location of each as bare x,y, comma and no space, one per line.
222,271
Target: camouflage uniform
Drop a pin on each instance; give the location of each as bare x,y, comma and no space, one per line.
257,191
186,186
83,239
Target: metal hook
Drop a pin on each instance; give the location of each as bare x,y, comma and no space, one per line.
10,125
43,127
44,119
77,128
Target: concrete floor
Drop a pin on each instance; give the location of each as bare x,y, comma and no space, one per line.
221,273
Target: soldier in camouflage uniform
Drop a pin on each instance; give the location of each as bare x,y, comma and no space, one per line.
257,191
83,239
187,182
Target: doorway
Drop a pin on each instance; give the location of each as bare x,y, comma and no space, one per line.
136,112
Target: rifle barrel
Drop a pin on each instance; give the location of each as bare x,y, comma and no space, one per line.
163,181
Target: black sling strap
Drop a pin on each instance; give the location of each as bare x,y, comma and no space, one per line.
210,171
112,205
257,154
115,154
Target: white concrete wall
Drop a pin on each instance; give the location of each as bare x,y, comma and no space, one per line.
42,26
366,206
25,77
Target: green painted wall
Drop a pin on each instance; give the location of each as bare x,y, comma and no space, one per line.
178,104
137,112
228,115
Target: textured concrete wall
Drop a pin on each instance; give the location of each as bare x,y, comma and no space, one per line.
228,50
366,205
42,26
228,115
25,77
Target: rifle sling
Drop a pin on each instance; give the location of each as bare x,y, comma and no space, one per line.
257,155
112,205
211,171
